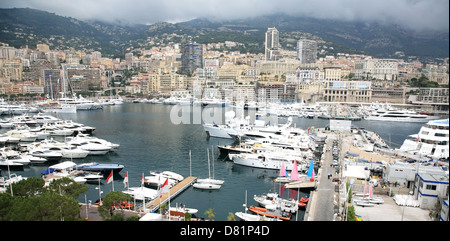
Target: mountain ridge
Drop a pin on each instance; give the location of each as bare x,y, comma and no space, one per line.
25,26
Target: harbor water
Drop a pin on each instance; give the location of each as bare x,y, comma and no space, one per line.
150,141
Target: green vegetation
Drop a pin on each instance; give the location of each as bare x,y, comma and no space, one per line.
24,26
31,201
210,213
113,200
423,82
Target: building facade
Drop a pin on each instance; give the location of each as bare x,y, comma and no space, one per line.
307,51
378,69
191,58
272,44
348,91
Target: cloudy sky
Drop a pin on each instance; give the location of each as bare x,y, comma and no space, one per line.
414,14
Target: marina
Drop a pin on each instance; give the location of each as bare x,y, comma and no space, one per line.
149,141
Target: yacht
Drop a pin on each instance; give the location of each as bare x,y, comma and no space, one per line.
46,153
399,116
98,167
67,150
23,135
269,160
93,148
90,139
432,140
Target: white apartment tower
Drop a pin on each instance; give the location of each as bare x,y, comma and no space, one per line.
307,51
272,44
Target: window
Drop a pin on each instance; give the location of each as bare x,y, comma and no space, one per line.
431,187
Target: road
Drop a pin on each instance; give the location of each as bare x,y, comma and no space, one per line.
323,199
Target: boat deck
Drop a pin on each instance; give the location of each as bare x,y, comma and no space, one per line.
174,191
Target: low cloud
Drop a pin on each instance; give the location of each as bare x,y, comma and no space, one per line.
413,14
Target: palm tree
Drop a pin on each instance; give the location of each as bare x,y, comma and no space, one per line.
231,217
210,213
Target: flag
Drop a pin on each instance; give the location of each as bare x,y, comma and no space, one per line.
110,178
164,188
418,139
125,180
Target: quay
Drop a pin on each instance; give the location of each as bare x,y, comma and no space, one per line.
322,201
173,192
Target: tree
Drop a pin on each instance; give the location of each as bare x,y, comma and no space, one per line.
31,201
231,217
67,186
28,188
423,81
111,201
210,213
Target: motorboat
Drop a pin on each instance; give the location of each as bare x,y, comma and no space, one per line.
169,174
432,140
273,199
5,163
46,153
68,151
98,167
23,135
271,212
42,119
16,157
142,193
90,176
183,209
93,148
158,180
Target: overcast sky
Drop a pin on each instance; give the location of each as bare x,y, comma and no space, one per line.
415,14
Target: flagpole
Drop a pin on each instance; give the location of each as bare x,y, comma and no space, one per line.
112,180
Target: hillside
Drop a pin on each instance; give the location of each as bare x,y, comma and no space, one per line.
20,27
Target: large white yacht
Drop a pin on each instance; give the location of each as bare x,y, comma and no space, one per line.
432,140
399,115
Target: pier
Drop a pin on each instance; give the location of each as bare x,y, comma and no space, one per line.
174,191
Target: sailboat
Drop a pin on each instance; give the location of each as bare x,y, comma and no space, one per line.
210,182
283,176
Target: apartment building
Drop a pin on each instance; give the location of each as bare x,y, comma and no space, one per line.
276,92
277,68
379,69
333,73
305,75
307,51
191,57
11,70
272,43
165,83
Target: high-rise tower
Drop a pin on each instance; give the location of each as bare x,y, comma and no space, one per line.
272,44
191,57
307,51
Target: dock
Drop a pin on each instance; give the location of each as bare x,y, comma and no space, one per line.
174,191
